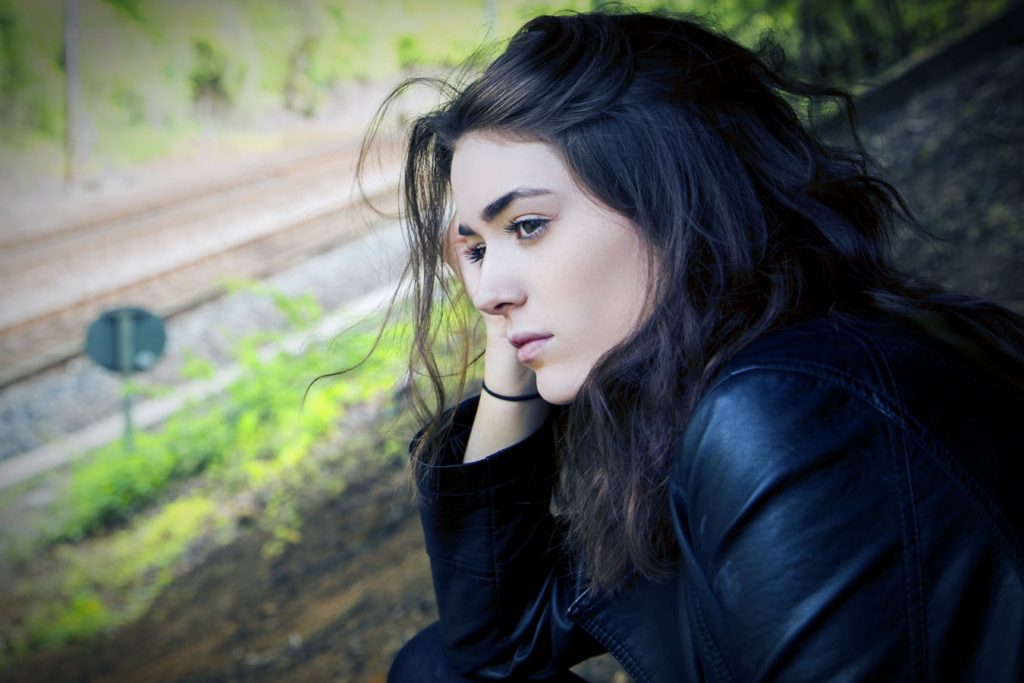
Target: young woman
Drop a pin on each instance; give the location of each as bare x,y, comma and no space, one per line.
720,436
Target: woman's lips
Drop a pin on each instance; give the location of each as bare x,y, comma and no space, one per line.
528,346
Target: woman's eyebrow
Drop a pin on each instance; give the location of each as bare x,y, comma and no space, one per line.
492,210
501,203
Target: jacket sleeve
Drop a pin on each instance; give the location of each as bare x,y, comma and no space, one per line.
502,583
792,504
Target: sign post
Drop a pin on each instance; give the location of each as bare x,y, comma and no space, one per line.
126,340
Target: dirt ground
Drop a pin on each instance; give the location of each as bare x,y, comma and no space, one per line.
338,604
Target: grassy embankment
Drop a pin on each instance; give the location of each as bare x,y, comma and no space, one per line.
124,522
161,78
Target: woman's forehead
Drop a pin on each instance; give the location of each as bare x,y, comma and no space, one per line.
489,171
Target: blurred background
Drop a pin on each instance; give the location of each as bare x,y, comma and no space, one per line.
197,515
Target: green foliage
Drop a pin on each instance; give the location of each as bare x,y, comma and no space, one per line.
300,310
130,101
129,8
117,578
195,367
848,42
246,438
153,73
126,519
408,51
209,74
301,94
31,93
56,623
12,66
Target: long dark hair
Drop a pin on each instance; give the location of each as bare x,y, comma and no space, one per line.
754,220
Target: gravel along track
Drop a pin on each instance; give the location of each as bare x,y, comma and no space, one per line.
75,394
170,256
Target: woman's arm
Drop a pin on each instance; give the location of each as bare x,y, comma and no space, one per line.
502,583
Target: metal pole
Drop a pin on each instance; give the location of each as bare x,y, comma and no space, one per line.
491,15
72,91
125,351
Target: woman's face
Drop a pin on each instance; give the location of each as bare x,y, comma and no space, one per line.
535,249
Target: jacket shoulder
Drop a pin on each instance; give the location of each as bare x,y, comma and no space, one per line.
884,353
912,388
826,461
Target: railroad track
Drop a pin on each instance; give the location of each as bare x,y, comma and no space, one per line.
173,255
51,227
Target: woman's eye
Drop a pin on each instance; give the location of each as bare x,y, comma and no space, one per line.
475,253
527,228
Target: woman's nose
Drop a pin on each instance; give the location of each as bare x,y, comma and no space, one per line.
498,289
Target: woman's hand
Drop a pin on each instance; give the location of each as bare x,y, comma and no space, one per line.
503,372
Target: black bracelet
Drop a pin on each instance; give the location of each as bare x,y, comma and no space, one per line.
526,397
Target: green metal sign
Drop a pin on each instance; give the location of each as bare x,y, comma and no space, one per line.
126,340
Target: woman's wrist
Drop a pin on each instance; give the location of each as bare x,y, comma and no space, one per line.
506,397
503,417
499,424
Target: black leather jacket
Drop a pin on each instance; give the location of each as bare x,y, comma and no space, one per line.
849,506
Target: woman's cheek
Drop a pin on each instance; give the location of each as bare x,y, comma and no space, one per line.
471,281
470,275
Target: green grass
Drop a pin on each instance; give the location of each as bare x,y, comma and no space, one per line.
113,579
124,519
244,438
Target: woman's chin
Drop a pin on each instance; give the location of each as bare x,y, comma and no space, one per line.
556,391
